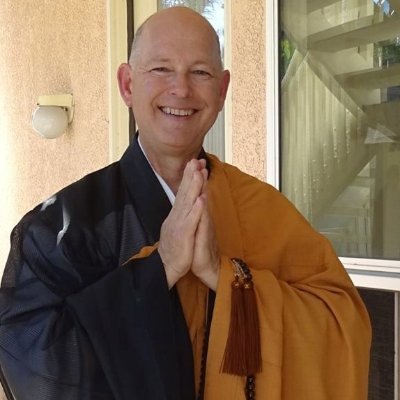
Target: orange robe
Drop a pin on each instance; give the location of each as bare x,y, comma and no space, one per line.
315,331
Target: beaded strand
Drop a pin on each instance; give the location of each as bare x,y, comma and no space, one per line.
210,308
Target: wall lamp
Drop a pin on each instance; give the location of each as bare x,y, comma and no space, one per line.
53,114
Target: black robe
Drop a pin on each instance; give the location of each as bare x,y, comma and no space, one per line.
75,323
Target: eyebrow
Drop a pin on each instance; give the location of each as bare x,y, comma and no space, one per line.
166,59
160,59
196,63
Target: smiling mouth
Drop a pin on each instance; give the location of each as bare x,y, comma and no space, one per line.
180,112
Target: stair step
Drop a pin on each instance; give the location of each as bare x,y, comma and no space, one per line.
374,78
313,5
355,33
387,115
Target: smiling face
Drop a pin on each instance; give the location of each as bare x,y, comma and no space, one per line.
176,83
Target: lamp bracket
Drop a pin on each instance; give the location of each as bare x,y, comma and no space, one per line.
60,100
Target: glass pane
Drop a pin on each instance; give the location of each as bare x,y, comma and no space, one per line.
340,120
213,10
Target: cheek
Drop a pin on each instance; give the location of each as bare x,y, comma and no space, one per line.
214,97
211,92
154,86
145,90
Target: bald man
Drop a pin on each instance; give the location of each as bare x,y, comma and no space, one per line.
172,275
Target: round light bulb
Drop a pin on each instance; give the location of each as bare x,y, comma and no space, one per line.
50,121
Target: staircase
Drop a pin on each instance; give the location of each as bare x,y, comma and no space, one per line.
339,64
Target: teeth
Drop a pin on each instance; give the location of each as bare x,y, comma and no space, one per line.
177,111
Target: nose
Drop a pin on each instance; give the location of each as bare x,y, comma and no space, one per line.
180,86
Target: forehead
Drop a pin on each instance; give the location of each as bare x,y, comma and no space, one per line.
190,37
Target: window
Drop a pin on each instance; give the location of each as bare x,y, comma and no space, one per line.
340,96
339,125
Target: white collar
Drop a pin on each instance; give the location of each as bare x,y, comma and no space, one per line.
164,185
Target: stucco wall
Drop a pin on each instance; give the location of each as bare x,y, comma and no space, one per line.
49,47
248,86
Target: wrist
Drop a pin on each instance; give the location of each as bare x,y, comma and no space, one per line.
210,276
172,275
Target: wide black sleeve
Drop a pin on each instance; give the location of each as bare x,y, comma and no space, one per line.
76,325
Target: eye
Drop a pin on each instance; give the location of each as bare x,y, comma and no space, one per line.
160,70
201,73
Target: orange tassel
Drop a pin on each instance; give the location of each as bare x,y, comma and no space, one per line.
243,349
235,351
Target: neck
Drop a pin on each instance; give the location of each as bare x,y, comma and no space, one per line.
169,166
171,172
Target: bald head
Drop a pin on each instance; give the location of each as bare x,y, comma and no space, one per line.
174,83
174,18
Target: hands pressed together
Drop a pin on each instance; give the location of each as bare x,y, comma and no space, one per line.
187,240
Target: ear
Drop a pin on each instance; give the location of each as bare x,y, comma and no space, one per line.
225,79
124,76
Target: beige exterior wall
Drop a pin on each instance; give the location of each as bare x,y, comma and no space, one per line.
49,48
248,86
61,47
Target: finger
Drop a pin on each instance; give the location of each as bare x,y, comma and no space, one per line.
190,188
179,229
204,172
205,256
177,239
185,201
193,218
203,163
205,225
191,167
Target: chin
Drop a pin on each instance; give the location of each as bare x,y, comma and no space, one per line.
183,146
182,139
